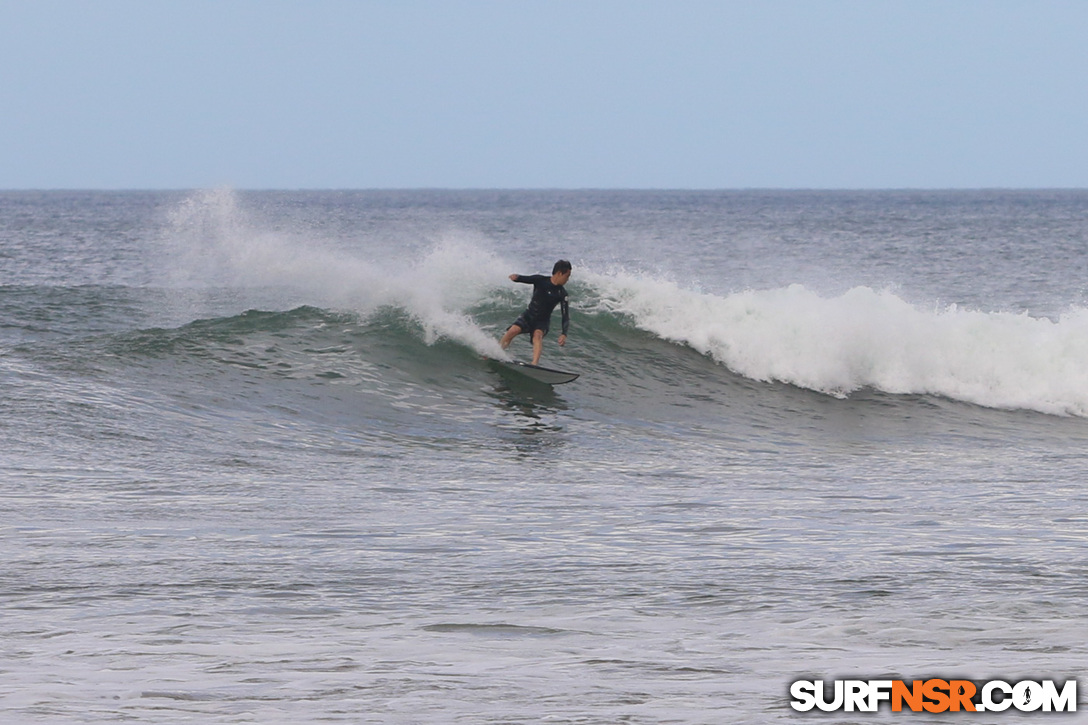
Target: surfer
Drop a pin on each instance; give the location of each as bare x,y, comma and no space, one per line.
547,293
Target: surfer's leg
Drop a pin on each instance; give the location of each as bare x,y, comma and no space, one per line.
511,333
538,345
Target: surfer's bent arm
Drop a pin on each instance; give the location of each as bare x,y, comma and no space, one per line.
565,309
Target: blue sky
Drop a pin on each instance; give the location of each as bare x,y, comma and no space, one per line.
543,94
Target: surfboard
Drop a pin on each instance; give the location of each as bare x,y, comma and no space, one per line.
543,375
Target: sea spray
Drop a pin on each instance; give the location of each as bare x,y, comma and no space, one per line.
867,338
214,243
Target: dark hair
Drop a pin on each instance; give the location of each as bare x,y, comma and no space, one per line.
561,266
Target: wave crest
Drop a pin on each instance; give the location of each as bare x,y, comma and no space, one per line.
868,338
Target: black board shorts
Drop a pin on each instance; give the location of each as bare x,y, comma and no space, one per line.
531,326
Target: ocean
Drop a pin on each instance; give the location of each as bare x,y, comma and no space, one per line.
257,467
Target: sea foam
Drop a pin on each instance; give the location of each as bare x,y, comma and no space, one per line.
867,338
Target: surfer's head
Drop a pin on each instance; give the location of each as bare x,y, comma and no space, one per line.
561,272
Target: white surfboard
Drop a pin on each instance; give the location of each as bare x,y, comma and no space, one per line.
544,375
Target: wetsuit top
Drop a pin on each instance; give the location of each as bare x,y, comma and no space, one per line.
545,297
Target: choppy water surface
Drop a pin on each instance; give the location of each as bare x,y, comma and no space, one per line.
256,469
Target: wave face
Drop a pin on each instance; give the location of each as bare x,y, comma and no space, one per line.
639,327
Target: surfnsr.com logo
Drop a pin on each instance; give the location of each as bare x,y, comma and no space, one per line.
934,695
